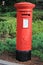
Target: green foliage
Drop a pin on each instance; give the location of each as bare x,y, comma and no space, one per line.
9,8
7,27
5,9
10,45
38,45
8,14
3,27
12,28
38,41
36,53
0,9
37,26
20,0
41,57
2,47
37,15
37,34
32,1
13,14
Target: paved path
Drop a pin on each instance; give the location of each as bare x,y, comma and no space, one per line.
2,62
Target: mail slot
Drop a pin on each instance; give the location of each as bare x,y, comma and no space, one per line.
26,14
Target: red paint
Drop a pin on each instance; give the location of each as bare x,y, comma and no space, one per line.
24,35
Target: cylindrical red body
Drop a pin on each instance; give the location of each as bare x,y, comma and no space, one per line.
24,34
24,30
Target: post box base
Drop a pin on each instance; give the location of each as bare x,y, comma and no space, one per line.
23,55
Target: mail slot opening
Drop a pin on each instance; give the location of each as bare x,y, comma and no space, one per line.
26,14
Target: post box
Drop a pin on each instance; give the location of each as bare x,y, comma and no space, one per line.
24,30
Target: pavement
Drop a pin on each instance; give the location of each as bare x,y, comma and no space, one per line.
2,62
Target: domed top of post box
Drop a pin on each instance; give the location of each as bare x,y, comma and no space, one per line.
24,5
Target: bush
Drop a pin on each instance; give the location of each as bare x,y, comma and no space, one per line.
10,45
7,27
38,45
0,8
38,41
4,28
37,27
37,15
36,53
9,8
5,9
12,28
41,57
2,47
8,14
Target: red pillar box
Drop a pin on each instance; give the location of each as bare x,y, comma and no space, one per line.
24,31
